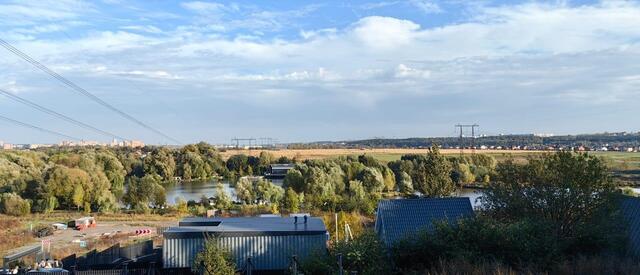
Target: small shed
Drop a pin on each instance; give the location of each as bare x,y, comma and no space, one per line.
278,171
399,219
269,242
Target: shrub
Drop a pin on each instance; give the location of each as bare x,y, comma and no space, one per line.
14,205
214,259
364,255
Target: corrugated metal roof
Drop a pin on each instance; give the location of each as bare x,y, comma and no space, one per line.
631,212
283,166
249,226
403,218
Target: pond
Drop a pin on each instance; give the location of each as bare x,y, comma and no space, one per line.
194,191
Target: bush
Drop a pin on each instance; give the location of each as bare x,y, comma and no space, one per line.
214,259
14,205
364,255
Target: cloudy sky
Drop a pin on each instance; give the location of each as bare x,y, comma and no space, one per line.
322,70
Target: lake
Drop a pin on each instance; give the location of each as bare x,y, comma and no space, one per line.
194,191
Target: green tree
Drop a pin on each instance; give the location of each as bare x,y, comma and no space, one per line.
160,161
78,196
294,180
143,193
405,184
570,194
214,260
268,192
245,191
14,205
432,175
291,202
371,179
221,199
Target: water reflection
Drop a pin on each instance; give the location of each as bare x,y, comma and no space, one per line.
195,190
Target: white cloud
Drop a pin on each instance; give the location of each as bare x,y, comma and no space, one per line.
145,28
25,13
204,7
403,71
515,57
385,32
426,6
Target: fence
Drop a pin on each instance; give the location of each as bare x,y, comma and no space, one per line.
116,255
135,271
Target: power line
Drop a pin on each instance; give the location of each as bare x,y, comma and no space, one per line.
56,114
37,128
80,90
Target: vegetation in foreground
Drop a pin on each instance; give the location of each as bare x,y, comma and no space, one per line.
556,214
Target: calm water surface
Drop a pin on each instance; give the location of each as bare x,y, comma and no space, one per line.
194,191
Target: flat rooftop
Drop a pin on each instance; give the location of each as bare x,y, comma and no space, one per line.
246,226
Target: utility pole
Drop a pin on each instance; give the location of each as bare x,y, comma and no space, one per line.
473,137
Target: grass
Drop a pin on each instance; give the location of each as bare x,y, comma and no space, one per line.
13,233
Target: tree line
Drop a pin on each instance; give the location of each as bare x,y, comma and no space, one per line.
105,179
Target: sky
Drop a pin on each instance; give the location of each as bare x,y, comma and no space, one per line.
301,71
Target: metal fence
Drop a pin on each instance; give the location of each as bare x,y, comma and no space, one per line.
134,271
116,255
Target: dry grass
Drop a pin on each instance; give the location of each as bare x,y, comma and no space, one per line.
13,234
63,216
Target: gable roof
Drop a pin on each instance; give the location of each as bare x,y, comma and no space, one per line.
401,218
631,212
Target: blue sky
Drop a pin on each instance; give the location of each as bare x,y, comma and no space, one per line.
323,70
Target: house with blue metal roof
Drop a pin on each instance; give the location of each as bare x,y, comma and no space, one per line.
399,219
631,212
264,243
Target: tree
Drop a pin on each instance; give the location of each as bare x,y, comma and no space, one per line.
570,193
214,260
238,164
160,162
13,204
359,197
221,199
372,180
294,180
268,192
432,175
78,196
145,192
114,171
68,185
464,173
405,184
245,191
291,202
